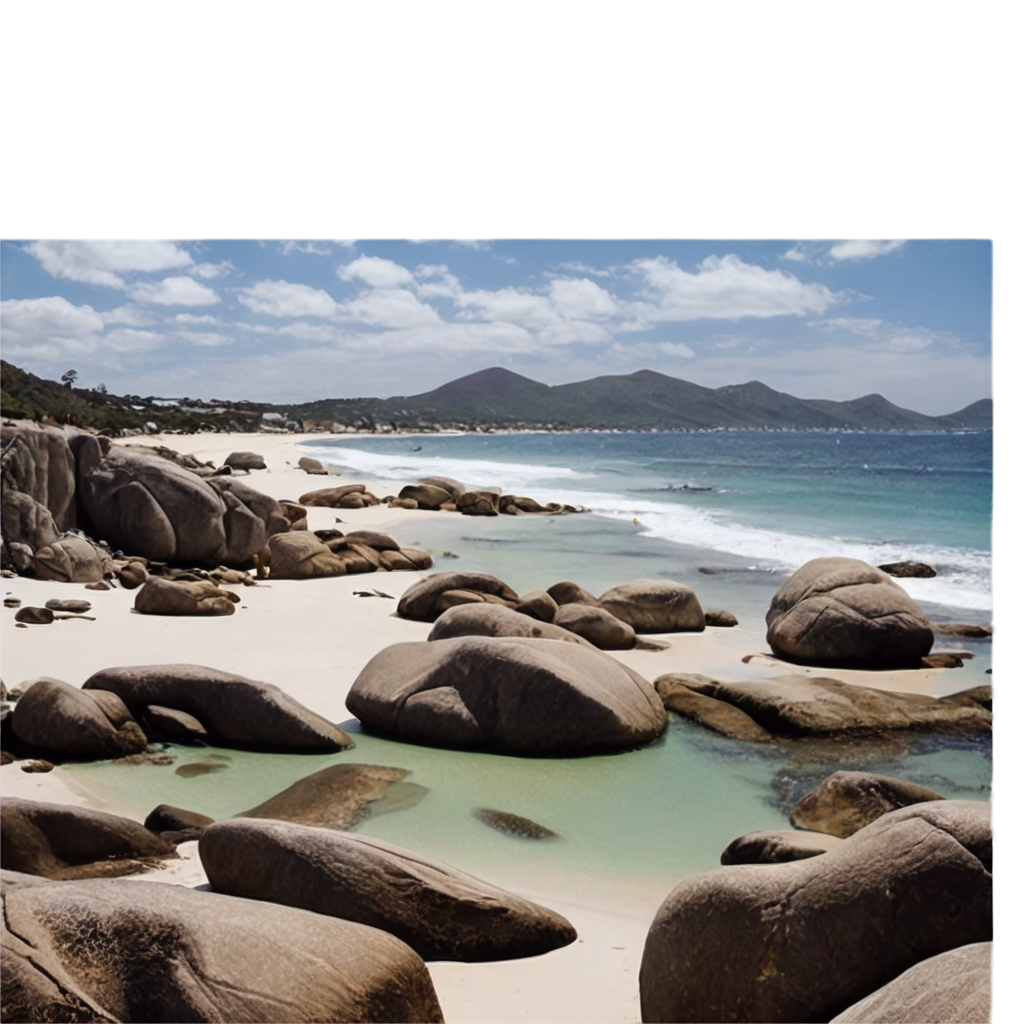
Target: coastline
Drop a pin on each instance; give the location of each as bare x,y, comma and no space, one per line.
311,638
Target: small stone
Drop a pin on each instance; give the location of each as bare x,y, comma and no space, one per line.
36,765
98,585
12,602
35,616
58,604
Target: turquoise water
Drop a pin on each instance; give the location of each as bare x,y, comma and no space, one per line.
635,823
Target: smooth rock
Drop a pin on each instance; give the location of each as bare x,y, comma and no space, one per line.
63,842
235,710
596,625
677,693
655,606
423,601
803,941
145,951
441,912
777,846
63,721
846,613
496,620
512,824
953,986
506,695
167,597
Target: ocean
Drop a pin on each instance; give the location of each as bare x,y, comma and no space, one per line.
729,513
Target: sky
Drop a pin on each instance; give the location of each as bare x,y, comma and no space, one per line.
293,320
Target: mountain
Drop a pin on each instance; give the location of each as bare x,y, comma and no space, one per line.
494,398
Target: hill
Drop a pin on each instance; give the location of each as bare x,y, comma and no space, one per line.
490,399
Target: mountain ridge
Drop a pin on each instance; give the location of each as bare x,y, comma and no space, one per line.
493,398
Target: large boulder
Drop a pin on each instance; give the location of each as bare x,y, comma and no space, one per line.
25,521
496,620
144,951
847,801
678,694
61,721
655,606
802,941
428,496
169,597
795,706
846,613
37,461
245,461
150,506
62,841
300,554
441,912
342,496
425,600
953,986
506,695
340,796
235,710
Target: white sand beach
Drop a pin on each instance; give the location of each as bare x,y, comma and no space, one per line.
311,638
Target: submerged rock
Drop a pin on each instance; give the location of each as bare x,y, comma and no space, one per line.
513,824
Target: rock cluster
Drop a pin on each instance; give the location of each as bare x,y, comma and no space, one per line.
445,495
809,938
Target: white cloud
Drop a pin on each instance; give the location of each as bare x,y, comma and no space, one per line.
128,339
47,327
309,248
882,335
862,249
639,350
192,318
580,298
102,263
130,316
389,307
376,272
208,271
584,268
205,339
724,288
174,291
284,299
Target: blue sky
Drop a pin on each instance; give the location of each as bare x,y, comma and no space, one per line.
286,321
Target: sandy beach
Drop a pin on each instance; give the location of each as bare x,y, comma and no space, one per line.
312,638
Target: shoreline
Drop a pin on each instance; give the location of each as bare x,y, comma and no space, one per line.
311,638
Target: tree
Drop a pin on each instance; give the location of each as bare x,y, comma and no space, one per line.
69,378
101,389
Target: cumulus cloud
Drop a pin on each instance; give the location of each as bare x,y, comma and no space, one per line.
309,248
724,288
103,263
376,272
208,271
285,299
47,327
174,291
389,307
130,316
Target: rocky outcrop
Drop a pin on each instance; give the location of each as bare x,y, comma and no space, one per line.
61,841
149,506
496,620
300,554
506,695
340,796
803,706
442,913
655,606
847,801
236,711
678,694
803,941
846,613
956,985
426,600
167,597
63,722
142,951
37,461
777,846
72,559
